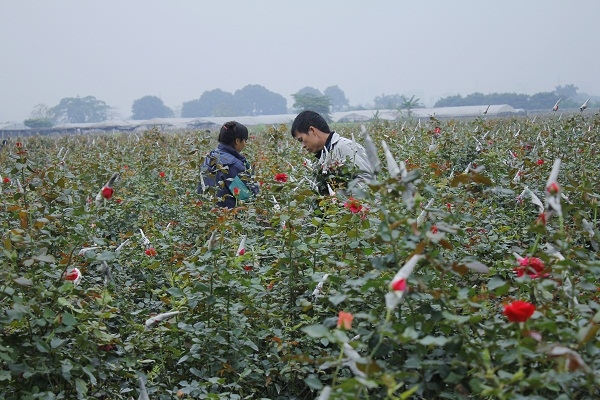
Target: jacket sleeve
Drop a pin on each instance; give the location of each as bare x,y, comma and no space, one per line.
356,153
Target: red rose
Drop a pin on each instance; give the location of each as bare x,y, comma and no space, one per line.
353,205
281,177
540,162
345,320
434,229
161,174
399,285
553,188
6,179
236,191
541,220
242,252
150,252
531,266
107,192
519,311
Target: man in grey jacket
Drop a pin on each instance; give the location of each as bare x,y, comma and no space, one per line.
342,163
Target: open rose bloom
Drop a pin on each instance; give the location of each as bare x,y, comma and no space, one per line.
531,266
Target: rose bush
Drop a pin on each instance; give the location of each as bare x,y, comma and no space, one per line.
245,303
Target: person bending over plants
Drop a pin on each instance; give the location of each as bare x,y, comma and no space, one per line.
342,163
225,170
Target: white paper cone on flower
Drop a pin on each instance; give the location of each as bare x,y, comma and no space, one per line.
517,177
351,359
325,393
118,249
518,257
242,247
552,252
108,278
86,249
319,287
106,192
399,284
423,214
73,275
392,166
553,190
154,321
145,240
212,241
468,168
276,206
143,392
330,190
371,150
534,199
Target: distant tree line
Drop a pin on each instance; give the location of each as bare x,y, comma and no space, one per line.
257,100
568,95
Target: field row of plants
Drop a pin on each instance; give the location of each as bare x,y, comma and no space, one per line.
467,269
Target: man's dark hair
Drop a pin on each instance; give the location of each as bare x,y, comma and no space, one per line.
232,130
308,118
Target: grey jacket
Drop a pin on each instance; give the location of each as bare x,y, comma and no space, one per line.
341,151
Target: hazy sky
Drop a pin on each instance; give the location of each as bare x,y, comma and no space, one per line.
121,50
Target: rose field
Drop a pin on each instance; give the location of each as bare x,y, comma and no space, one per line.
468,268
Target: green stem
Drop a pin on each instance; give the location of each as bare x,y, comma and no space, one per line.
338,367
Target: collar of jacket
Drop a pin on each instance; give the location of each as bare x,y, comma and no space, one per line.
223,148
332,139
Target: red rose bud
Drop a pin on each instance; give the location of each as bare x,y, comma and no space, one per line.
73,275
399,285
150,252
541,220
161,174
345,320
242,252
107,192
553,188
519,311
236,191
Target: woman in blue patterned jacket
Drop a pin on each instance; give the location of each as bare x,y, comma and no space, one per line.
225,170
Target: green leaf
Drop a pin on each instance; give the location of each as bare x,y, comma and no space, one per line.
495,283
313,383
337,299
316,331
54,343
433,340
68,319
81,387
89,373
23,281
175,292
45,258
106,256
407,394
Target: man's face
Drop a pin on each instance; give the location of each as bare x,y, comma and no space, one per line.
310,141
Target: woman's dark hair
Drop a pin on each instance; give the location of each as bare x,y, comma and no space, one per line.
232,130
306,119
